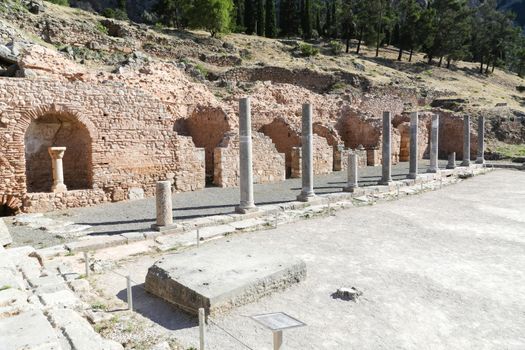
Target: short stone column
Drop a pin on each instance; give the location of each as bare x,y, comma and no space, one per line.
466,141
164,204
451,161
434,145
386,178
352,183
245,158
414,154
481,141
57,153
307,157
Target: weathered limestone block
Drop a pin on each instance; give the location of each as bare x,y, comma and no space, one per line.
268,164
29,330
5,236
217,281
323,157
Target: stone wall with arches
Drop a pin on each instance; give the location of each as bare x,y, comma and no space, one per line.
119,141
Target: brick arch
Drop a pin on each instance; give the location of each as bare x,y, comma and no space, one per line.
58,109
59,125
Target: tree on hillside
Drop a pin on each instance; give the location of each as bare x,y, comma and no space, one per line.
260,18
347,22
239,15
173,12
306,19
249,16
288,19
270,21
212,15
409,12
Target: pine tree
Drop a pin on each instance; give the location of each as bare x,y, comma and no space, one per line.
260,17
249,16
409,12
347,22
270,21
239,15
306,19
288,18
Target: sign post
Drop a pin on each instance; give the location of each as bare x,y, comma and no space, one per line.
277,322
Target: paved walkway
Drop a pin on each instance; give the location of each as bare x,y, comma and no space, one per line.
137,216
440,270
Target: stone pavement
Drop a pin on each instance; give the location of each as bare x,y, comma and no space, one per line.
39,308
138,215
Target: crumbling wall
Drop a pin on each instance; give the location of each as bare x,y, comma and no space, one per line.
284,137
268,163
332,137
323,157
190,173
207,126
451,136
131,136
404,143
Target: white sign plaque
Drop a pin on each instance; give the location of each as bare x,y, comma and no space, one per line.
277,321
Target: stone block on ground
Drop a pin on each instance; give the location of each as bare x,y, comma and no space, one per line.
5,236
95,242
79,332
62,298
219,280
29,331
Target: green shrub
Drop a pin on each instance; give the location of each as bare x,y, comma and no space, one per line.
101,28
201,69
336,47
60,2
115,13
308,50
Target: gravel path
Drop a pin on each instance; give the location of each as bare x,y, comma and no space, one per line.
137,216
442,270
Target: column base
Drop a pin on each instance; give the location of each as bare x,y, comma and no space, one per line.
59,188
386,182
351,188
246,209
432,170
412,176
451,166
465,163
306,197
480,160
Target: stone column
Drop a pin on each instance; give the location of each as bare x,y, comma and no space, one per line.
164,204
352,183
414,156
481,141
466,141
434,145
451,161
307,157
386,178
245,157
57,153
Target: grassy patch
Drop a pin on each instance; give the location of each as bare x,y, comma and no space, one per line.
5,287
511,151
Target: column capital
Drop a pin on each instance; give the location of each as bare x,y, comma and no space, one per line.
56,152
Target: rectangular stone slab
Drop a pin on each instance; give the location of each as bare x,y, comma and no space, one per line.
219,280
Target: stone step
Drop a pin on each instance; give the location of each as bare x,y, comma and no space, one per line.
29,331
79,332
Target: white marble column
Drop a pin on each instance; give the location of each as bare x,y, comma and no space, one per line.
451,161
386,178
481,140
353,182
164,204
57,153
434,145
245,158
466,141
307,157
414,156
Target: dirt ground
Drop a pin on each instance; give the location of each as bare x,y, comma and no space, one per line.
442,270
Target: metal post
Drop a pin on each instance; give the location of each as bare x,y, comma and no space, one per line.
202,320
277,340
86,263
130,295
